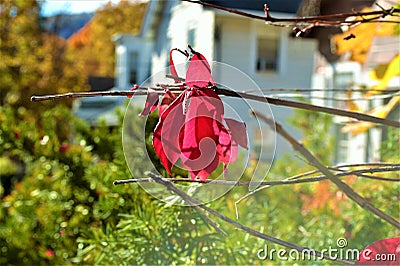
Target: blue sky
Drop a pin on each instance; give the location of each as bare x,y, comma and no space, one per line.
52,7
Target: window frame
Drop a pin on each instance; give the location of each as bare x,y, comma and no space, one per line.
259,29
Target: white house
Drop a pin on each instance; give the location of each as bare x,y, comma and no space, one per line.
265,54
345,74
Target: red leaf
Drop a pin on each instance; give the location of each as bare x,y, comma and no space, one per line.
172,68
227,148
167,99
199,137
203,174
375,253
151,103
238,131
198,74
165,137
205,141
191,125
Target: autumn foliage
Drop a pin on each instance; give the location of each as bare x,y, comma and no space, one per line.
32,61
95,38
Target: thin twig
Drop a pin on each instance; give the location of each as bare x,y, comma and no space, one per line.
323,169
325,90
296,179
168,185
365,164
310,107
333,20
338,99
211,222
230,93
288,181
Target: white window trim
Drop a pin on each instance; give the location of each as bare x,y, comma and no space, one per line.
191,26
282,53
340,68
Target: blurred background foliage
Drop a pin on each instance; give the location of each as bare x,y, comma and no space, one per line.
95,37
32,61
58,202
62,207
35,61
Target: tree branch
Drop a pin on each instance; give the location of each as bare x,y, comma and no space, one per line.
288,181
242,227
333,20
323,169
310,107
230,93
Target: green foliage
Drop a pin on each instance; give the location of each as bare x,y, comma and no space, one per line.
7,167
390,148
63,208
62,189
67,210
316,131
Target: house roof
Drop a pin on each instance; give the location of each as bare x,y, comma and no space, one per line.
383,50
284,6
82,36
93,109
101,83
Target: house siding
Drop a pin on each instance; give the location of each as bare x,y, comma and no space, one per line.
232,40
237,47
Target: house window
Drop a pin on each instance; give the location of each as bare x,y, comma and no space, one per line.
267,53
191,35
342,81
342,145
167,48
133,58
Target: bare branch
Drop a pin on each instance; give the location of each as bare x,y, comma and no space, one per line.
40,98
211,222
242,227
230,93
333,20
311,107
390,91
288,181
323,169
339,99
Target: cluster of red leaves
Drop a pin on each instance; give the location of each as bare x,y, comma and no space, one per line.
192,126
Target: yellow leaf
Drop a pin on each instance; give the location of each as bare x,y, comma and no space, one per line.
364,34
381,112
351,105
392,70
360,45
